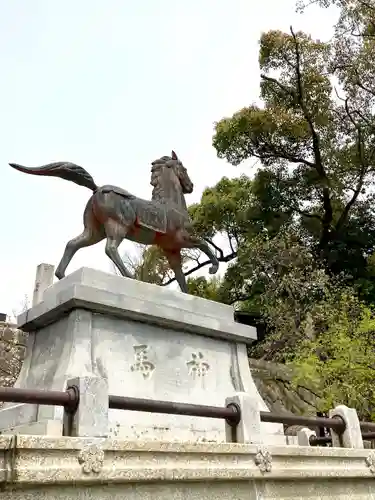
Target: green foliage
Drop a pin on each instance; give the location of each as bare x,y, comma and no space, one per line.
225,208
340,363
206,288
290,285
153,266
150,264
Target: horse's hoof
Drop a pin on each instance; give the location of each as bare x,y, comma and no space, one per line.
213,269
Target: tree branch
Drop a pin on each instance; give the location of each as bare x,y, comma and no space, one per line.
328,211
307,214
361,85
286,89
231,244
344,215
217,248
371,22
285,156
363,117
365,88
292,93
224,258
318,164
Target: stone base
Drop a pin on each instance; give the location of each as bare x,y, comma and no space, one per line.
148,342
43,468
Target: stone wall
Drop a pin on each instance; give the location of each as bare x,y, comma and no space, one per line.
47,468
274,383
12,352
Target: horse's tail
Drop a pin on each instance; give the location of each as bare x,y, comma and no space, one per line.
64,170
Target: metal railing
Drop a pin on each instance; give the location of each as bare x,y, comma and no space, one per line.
231,413
335,423
322,440
69,399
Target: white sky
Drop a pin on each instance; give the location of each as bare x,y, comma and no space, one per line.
112,85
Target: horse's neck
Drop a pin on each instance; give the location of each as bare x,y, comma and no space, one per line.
166,193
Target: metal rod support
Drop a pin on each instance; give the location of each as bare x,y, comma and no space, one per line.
69,398
316,441
368,435
231,413
367,426
331,423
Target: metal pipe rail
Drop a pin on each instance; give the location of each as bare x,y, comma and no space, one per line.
319,440
231,413
69,399
332,423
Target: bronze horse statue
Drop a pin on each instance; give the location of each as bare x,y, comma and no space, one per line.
112,213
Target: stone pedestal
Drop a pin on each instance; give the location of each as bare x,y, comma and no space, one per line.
146,341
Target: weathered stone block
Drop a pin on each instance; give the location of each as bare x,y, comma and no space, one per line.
91,416
352,436
248,431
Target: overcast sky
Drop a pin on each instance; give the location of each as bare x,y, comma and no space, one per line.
113,85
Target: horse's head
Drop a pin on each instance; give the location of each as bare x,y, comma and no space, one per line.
173,168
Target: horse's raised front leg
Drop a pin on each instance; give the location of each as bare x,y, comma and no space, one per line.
115,234
175,262
202,245
85,239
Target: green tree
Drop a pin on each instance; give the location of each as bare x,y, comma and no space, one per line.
208,288
148,264
315,144
233,211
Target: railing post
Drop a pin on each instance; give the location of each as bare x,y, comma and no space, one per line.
352,436
91,417
249,428
43,279
303,436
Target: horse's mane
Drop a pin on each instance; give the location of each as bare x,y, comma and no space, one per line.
160,162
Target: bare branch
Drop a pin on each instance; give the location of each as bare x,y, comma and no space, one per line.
230,243
224,258
216,247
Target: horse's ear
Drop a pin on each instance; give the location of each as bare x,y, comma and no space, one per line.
174,156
